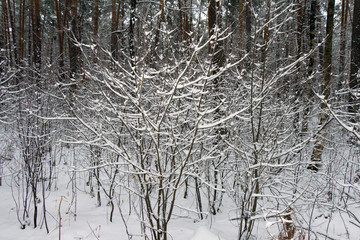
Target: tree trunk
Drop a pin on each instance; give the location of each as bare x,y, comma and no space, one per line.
299,28
158,26
343,24
186,22
312,26
96,20
131,33
36,33
307,94
13,33
60,28
248,25
211,21
241,17
181,28
5,28
74,36
22,30
320,140
115,11
355,63
216,48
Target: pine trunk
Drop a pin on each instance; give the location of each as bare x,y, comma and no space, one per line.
73,42
320,141
355,63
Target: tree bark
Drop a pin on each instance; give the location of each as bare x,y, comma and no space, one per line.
131,33
36,33
241,17
248,25
73,41
320,140
355,62
312,26
115,12
307,93
181,28
343,24
211,20
216,48
60,29
22,30
158,25
13,32
6,39
96,20
299,28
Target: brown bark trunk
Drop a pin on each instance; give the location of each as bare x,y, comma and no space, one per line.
115,12
13,32
122,21
181,28
186,22
60,29
216,46
266,30
241,16
131,33
6,31
248,25
36,24
22,30
158,25
96,20
307,93
312,26
343,24
320,141
354,82
73,41
211,22
95,30
299,28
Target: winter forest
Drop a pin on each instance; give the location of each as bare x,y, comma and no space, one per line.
179,119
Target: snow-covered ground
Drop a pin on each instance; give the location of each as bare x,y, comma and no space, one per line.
92,222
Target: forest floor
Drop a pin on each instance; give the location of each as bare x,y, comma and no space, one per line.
92,222
82,219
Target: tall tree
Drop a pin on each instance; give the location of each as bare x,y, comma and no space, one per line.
320,141
343,25
312,34
115,13
248,25
216,47
13,32
216,51
300,18
131,33
5,31
22,30
74,49
96,19
158,24
36,25
60,22
307,93
354,83
241,17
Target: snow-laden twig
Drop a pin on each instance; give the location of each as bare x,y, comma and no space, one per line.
336,117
